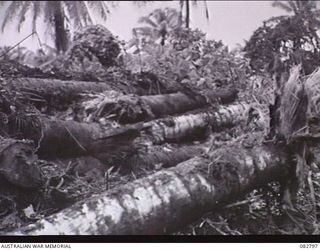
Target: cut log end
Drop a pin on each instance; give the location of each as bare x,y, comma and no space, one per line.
18,164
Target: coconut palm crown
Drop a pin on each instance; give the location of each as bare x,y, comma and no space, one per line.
60,17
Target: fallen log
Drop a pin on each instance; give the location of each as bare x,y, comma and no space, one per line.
174,129
18,163
69,138
169,104
161,157
55,137
132,108
156,157
52,91
169,199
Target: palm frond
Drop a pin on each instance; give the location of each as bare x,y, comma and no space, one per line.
84,13
174,23
77,14
73,13
206,9
172,14
22,16
294,104
36,14
160,22
145,31
132,42
100,8
305,5
282,5
11,11
312,86
309,5
294,5
159,14
163,26
147,20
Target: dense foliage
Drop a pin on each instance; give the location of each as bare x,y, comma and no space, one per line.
159,24
92,49
290,39
61,17
25,56
191,59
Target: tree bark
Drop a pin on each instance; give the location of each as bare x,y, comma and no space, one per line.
18,163
130,109
69,138
55,92
61,36
159,157
60,94
169,199
187,14
179,102
193,126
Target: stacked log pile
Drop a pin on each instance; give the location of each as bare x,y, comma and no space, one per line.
163,148
165,201
131,142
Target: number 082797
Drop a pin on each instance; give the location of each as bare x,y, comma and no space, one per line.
309,245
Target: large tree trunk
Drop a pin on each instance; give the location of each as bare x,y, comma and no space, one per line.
59,94
193,126
70,138
169,199
130,109
61,36
180,102
18,163
162,157
187,13
55,92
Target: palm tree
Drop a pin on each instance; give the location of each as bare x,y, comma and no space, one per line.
59,16
298,7
160,22
19,53
287,40
306,9
183,3
309,15
186,3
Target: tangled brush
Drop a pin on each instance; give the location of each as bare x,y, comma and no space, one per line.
292,123
294,104
312,86
96,41
93,49
117,106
